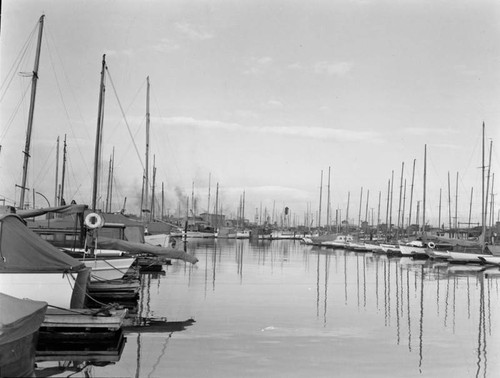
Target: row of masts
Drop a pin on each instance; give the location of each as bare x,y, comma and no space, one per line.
148,206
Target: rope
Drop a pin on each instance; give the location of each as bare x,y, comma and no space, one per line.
124,118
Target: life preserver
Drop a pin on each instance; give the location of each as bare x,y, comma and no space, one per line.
94,220
431,245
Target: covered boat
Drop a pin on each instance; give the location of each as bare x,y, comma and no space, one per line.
30,267
20,321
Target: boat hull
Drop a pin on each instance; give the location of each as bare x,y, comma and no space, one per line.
108,269
65,290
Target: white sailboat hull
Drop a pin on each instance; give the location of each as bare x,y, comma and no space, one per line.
108,269
54,288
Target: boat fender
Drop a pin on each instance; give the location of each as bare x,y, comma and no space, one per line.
431,245
94,220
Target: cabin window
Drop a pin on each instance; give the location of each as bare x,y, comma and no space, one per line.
48,237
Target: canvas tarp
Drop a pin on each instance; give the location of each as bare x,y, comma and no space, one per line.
21,250
137,248
19,317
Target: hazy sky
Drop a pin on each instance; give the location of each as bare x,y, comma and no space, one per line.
259,95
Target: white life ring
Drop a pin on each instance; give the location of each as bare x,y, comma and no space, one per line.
94,220
431,245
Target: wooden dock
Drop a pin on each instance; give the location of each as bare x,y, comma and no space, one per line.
85,319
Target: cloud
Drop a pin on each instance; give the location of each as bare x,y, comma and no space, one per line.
274,104
295,66
322,133
193,32
165,45
329,68
426,131
257,66
462,69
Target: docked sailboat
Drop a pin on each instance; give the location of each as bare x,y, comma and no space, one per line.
30,267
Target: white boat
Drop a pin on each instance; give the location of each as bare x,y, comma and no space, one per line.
467,257
389,248
435,254
33,268
109,268
414,248
495,260
340,241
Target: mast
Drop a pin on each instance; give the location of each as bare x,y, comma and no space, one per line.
34,80
112,179
425,187
152,214
162,201
439,218
483,214
146,183
456,207
320,195
328,204
449,204
411,191
57,174
63,172
208,204
347,212
360,205
400,198
487,191
390,211
106,207
470,206
98,138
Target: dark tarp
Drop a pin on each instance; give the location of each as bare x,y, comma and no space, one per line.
66,209
19,317
21,250
136,248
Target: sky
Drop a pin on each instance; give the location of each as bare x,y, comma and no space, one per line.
263,98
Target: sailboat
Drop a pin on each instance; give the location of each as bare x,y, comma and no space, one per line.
464,251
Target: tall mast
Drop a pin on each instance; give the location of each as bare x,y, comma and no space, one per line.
320,195
360,205
456,206
487,189
411,191
98,137
400,197
146,173
29,129
328,203
57,174
470,207
152,214
449,203
208,205
483,214
390,209
63,172
425,187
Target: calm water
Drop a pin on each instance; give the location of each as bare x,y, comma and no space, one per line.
283,309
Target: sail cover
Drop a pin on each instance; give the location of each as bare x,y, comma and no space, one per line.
137,248
23,251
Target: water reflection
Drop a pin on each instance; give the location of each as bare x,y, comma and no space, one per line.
258,304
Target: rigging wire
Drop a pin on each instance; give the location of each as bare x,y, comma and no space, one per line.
124,118
68,118
174,161
17,62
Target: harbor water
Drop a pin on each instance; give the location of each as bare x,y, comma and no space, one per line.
284,309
